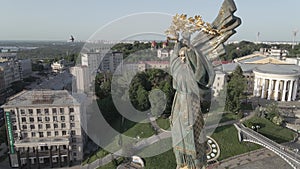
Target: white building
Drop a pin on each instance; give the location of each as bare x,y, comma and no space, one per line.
268,77
164,53
81,79
44,127
58,66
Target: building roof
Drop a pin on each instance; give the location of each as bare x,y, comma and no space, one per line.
278,69
41,98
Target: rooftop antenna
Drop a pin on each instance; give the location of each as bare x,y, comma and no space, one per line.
294,37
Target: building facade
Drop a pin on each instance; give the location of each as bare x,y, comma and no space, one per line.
81,79
44,129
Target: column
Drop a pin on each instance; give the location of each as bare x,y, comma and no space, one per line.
59,157
263,88
37,157
19,158
295,90
284,91
276,90
290,90
50,156
270,91
27,158
255,88
68,158
258,87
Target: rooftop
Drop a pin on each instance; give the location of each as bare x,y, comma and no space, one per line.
41,98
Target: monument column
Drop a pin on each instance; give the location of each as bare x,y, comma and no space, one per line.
290,90
263,88
270,91
284,91
276,90
255,90
295,90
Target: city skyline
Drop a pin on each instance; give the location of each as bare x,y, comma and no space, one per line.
57,20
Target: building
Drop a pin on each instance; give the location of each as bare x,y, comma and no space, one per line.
268,77
58,66
144,65
112,62
44,127
164,53
25,67
81,79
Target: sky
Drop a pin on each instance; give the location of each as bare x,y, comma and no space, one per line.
58,19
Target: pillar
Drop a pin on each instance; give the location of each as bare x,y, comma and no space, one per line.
68,158
255,88
19,159
276,90
284,91
27,159
59,157
50,156
290,90
270,91
37,158
295,90
263,88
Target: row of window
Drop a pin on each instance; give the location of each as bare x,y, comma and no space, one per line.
46,111
47,119
47,134
40,126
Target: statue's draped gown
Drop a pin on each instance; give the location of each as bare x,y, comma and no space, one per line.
189,79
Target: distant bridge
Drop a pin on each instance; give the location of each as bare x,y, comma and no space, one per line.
248,135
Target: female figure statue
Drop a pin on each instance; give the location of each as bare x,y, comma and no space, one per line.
193,75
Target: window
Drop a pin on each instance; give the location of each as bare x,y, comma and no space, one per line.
33,134
56,133
38,111
14,127
55,125
74,154
32,126
71,109
24,127
23,119
73,132
74,147
64,133
48,134
13,120
25,135
31,119
22,112
54,118
63,125
72,118
54,111
40,119
12,112
72,124
73,140
30,111
41,134
47,118
47,126
46,111
40,126
61,110
62,118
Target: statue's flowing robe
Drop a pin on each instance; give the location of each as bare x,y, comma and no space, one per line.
188,137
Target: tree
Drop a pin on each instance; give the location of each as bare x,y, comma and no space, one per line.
272,114
235,90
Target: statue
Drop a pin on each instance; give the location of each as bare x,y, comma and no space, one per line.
193,75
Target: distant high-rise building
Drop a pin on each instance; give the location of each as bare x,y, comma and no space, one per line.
81,79
44,127
25,67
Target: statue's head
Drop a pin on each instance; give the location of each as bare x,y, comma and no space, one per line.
182,54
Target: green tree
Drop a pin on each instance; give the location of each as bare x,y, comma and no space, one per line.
235,90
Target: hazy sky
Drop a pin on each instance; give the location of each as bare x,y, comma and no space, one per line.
58,19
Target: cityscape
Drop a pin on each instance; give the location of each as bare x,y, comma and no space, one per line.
73,98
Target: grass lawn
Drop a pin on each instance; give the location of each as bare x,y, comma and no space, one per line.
272,131
246,106
229,117
111,165
163,123
227,138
